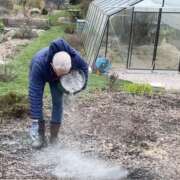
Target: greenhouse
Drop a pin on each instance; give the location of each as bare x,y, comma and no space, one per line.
134,34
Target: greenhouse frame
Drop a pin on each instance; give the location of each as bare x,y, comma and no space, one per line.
134,34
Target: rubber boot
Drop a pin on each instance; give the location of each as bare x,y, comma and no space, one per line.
54,129
39,140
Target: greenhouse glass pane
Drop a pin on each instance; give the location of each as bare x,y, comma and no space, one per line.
99,39
89,21
94,38
102,50
144,33
90,27
119,37
168,53
87,26
88,17
96,42
91,34
94,34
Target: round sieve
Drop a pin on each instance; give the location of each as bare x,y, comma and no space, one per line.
73,82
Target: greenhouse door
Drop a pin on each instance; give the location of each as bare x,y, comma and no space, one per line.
144,26
168,50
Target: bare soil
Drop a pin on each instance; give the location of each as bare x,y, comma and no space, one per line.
140,133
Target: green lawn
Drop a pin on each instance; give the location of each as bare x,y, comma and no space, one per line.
22,60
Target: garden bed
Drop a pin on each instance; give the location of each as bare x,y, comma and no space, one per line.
139,133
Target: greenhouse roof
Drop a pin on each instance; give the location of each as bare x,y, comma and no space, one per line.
110,7
149,3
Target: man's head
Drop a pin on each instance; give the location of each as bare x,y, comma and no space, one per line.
61,63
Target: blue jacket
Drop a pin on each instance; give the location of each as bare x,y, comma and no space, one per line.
42,72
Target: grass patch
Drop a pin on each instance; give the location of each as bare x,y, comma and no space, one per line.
96,83
22,61
103,83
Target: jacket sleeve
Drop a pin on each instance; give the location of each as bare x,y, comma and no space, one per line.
36,89
77,61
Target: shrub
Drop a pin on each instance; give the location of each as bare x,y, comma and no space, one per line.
13,105
44,11
70,29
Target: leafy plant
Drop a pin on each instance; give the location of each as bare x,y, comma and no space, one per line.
140,89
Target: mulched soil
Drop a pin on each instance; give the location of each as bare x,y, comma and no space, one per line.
141,133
